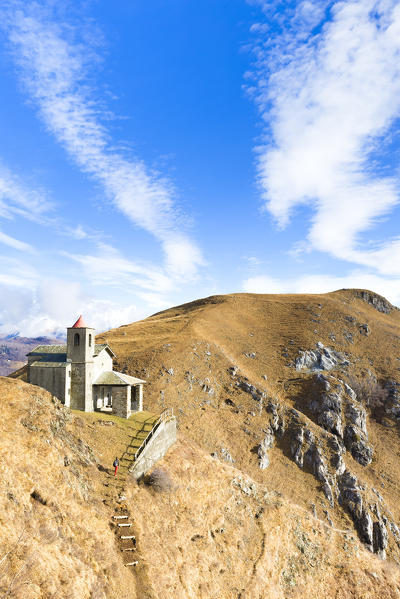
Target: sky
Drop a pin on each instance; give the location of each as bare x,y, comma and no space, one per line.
155,152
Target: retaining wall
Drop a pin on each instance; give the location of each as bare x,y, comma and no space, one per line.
163,438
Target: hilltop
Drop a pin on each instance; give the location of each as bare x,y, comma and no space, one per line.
283,483
244,375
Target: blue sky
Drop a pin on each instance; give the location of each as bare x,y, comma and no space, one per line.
156,152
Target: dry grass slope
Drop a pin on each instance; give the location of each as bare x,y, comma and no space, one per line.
223,529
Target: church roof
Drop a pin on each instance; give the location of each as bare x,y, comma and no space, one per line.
50,364
48,349
80,324
110,377
54,351
100,346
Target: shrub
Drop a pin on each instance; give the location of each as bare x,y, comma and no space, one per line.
159,479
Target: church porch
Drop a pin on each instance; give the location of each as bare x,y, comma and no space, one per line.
118,393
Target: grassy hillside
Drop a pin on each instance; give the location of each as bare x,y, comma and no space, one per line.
225,527
187,354
215,533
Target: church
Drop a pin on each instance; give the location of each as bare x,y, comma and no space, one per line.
81,374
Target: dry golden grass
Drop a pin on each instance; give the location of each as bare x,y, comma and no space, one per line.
219,534
207,337
222,531
55,540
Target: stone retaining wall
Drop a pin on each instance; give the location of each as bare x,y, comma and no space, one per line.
163,438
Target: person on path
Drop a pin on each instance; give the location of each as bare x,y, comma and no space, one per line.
116,464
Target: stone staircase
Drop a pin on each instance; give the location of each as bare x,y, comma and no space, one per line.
126,540
151,435
143,425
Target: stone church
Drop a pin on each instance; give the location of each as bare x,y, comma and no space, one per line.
81,374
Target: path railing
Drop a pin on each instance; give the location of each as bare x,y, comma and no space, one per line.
165,416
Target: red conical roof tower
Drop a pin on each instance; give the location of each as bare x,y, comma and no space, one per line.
80,324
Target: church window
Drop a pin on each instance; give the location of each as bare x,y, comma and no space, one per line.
90,340
76,339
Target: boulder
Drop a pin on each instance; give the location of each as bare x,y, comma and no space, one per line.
264,448
327,489
322,358
365,330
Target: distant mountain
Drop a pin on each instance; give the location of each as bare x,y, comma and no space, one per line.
13,350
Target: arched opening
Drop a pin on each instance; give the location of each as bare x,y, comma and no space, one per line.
90,340
76,340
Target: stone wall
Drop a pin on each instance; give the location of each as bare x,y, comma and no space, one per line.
137,398
102,363
82,386
163,438
121,401
54,379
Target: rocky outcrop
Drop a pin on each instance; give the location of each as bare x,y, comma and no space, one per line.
356,415
337,411
327,406
277,422
257,394
380,538
356,443
392,403
351,500
320,359
337,461
377,301
296,446
264,448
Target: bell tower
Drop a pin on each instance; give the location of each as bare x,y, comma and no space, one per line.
80,352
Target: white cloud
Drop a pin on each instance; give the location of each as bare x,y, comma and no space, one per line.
20,199
54,71
389,288
108,267
15,243
329,100
47,307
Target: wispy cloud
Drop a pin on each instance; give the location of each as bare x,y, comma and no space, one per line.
329,95
19,199
15,243
110,268
54,70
